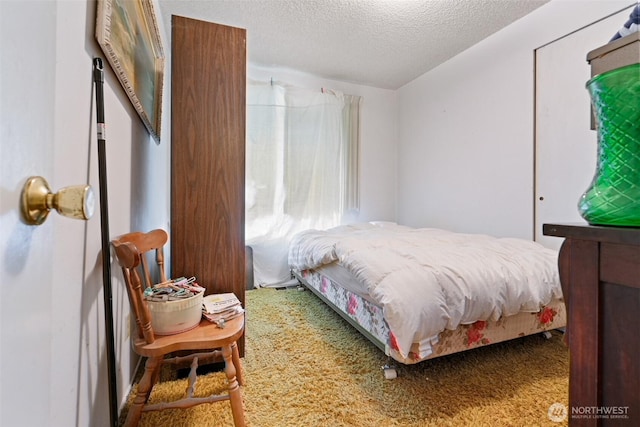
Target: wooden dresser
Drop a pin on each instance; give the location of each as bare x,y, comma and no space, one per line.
600,275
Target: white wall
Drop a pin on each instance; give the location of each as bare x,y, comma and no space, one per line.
378,137
466,128
53,367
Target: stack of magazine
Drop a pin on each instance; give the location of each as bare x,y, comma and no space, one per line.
220,308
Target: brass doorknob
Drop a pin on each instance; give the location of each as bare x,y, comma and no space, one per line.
37,200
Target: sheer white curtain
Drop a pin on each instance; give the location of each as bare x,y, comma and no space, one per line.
301,169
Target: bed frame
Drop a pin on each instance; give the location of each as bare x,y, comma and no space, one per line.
368,319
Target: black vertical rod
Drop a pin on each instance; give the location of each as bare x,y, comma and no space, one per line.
98,78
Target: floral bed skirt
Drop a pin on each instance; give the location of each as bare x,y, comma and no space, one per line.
368,318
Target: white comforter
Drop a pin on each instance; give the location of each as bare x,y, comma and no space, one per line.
428,280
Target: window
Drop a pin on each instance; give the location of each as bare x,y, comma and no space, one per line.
301,169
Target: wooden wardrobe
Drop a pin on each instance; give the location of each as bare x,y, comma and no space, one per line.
208,105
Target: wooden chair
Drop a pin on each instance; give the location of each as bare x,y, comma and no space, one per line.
131,251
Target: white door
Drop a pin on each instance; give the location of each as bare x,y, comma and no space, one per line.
566,147
53,343
42,268
27,253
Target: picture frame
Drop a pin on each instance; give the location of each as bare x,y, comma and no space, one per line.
127,31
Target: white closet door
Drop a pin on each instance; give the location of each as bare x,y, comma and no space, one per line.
566,147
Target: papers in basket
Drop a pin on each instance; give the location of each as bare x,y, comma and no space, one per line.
221,307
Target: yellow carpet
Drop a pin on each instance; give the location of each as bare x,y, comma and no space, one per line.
305,366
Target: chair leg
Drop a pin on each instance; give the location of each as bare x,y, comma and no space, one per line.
235,397
145,386
235,357
155,376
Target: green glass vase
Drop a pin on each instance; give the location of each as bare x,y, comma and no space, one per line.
613,198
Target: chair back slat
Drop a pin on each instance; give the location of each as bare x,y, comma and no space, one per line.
146,275
140,307
134,306
160,262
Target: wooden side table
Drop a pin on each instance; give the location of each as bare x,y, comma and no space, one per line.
600,276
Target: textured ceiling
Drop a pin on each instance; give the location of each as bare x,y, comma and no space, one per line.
380,43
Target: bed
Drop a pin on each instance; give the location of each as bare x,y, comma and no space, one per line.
420,293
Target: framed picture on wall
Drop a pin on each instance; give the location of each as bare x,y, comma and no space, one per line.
127,32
